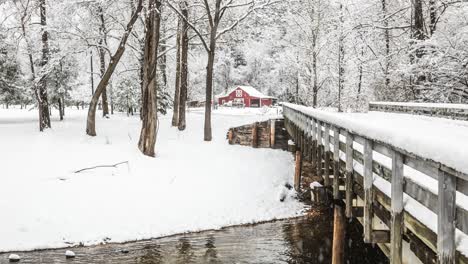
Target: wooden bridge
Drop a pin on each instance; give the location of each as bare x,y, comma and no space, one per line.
419,199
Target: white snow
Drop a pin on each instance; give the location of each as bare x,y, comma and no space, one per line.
14,257
191,185
315,184
69,254
427,105
442,140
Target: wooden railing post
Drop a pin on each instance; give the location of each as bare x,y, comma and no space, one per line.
349,175
273,133
255,135
326,140
368,181
314,143
307,140
446,218
336,163
319,149
396,228
230,137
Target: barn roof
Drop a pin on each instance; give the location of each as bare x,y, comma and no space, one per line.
248,89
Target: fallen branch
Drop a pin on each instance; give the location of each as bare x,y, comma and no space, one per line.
102,166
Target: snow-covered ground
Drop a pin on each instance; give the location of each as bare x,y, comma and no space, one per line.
191,185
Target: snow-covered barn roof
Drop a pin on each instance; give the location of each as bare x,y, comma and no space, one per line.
248,89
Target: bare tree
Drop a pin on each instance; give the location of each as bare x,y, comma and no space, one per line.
175,114
102,56
91,120
149,103
341,63
209,41
44,113
184,43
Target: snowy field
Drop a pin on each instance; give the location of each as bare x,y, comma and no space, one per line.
192,185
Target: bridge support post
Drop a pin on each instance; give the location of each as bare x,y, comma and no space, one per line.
336,163
397,209
368,197
326,139
314,143
349,175
339,232
298,171
272,133
446,218
255,135
319,152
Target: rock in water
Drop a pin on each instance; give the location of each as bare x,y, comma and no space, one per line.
69,254
14,258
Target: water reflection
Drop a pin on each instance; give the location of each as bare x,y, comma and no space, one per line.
303,240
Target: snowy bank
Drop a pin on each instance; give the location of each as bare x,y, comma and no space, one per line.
192,185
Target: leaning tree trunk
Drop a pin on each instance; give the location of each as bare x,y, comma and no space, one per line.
184,42
44,113
175,114
91,120
149,127
102,60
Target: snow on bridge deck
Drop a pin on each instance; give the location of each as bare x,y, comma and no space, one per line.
437,139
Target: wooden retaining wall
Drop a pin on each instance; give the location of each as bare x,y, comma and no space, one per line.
336,153
451,111
266,134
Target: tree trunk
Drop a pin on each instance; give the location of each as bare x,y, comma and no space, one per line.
315,15
149,125
60,107
433,15
92,73
175,115
418,27
183,66
163,58
209,91
44,114
91,120
387,44
418,34
341,66
102,59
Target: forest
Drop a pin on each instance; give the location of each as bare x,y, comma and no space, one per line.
145,57
222,131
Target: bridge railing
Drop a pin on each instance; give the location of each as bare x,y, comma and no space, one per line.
390,177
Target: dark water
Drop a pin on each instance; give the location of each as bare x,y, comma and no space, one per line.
303,240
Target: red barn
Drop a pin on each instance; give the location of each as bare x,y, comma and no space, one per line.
245,96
